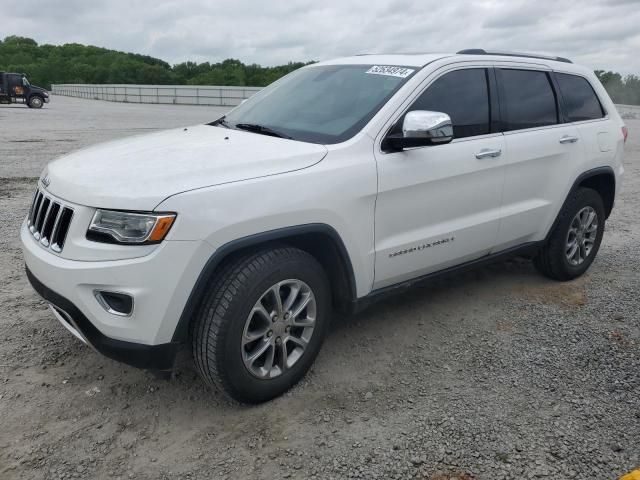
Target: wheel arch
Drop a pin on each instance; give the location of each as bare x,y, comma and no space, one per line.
600,179
320,240
603,181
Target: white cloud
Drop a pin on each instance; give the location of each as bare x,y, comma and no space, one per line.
601,34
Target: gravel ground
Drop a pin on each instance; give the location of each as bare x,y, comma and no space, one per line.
29,139
496,373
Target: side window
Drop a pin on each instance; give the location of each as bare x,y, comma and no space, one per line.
580,101
464,96
529,98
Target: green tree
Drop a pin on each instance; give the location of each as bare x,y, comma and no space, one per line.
20,41
625,90
77,63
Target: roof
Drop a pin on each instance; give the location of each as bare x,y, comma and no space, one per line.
403,59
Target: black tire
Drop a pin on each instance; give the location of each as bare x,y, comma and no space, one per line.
217,330
36,102
552,259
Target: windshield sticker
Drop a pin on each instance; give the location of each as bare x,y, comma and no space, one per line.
390,71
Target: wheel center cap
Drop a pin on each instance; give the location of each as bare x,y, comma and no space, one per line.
278,328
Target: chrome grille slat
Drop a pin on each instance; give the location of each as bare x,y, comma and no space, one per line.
57,241
48,221
33,203
35,222
35,209
44,205
44,220
54,230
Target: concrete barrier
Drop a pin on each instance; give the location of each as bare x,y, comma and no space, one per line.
629,111
163,94
194,95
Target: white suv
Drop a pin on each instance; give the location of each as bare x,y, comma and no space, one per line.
340,182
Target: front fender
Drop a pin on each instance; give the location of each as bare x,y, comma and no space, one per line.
269,237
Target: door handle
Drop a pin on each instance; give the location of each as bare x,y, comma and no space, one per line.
488,153
568,139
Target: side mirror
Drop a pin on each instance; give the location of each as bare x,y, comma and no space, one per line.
421,128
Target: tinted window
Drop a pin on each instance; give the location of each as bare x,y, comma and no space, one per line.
464,96
529,98
580,101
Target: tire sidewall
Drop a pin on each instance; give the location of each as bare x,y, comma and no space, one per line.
241,381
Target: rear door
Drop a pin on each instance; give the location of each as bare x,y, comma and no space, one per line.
542,153
439,205
598,134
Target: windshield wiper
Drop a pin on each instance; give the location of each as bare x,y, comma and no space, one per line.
255,128
221,121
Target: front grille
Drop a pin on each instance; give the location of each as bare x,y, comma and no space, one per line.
49,221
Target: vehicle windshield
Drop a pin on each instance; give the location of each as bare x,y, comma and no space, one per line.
25,82
319,104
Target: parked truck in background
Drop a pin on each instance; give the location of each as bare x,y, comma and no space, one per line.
15,88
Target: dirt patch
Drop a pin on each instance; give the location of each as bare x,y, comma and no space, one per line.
16,185
452,476
568,295
620,339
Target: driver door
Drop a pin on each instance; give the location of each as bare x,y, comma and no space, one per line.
16,87
439,205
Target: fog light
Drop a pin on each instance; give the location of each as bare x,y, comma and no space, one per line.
116,303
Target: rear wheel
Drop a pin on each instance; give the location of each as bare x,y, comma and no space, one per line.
576,238
261,324
35,102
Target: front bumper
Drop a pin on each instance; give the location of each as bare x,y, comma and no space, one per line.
152,357
160,283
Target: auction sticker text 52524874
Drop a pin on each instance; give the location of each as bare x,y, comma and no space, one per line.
391,71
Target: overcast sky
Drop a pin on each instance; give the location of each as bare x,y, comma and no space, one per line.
603,34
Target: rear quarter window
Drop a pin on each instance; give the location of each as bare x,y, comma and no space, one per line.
579,98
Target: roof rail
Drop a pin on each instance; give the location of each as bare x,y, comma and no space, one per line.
480,51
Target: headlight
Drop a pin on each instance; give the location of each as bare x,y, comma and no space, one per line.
128,228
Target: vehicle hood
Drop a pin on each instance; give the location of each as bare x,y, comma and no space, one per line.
35,88
137,173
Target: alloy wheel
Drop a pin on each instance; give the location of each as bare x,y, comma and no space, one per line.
581,236
278,328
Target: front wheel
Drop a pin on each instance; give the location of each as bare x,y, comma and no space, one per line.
35,102
261,324
576,238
